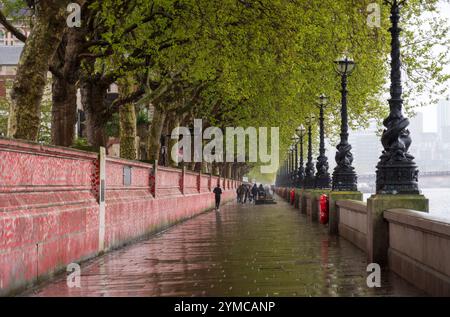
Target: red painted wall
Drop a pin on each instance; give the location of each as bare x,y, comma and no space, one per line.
49,210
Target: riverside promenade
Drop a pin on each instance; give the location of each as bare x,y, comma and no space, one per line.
245,250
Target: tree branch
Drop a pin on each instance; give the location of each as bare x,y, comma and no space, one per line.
4,21
126,100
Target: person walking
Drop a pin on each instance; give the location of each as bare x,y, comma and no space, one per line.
255,192
240,193
246,193
250,194
218,193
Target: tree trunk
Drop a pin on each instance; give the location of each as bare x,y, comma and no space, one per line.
174,122
128,130
154,138
64,112
31,75
228,170
164,157
93,97
64,90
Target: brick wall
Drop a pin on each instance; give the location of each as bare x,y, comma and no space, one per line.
49,207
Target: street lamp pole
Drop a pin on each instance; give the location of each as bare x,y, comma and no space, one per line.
344,176
290,165
293,166
309,173
295,156
301,170
286,172
289,173
323,180
397,173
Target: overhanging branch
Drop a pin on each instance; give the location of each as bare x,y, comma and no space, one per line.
11,28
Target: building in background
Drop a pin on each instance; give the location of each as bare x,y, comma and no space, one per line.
427,147
9,58
7,39
366,148
443,120
10,50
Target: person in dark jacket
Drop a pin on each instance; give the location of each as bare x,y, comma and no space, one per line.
240,194
246,193
254,192
218,193
261,191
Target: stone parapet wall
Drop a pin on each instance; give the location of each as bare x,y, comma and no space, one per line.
50,199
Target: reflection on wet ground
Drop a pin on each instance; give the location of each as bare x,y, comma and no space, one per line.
268,250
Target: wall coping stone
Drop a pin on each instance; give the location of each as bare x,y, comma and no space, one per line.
40,149
353,205
122,161
419,219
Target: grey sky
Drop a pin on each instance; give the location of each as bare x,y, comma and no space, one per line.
430,112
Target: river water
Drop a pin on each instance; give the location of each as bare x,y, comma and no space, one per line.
439,200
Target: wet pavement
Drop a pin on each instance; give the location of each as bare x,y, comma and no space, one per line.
269,250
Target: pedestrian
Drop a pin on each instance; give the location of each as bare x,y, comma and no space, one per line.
261,191
255,192
218,193
240,193
246,193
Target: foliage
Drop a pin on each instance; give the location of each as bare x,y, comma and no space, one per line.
4,113
142,117
262,63
112,126
82,144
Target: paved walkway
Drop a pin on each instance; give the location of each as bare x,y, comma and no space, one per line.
241,251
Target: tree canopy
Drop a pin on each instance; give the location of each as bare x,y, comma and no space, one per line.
239,62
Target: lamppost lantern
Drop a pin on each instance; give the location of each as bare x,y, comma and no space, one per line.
323,100
300,130
345,65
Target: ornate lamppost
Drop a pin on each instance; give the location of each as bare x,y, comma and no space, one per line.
397,173
323,179
309,172
344,176
289,171
301,170
294,164
291,164
286,172
295,139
